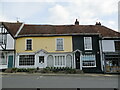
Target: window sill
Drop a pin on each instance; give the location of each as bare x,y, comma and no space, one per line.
28,50
88,66
59,50
88,49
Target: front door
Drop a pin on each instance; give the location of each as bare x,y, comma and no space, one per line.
10,61
41,61
77,59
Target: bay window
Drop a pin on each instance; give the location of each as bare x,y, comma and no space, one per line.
88,61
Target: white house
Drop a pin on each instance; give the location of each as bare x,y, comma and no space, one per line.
7,44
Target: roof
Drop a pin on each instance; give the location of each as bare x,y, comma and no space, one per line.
46,30
12,27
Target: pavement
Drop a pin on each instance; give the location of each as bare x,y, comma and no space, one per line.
60,74
38,80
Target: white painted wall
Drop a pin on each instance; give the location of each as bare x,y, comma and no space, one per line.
10,42
108,46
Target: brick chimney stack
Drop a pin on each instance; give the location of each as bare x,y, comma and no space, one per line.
76,22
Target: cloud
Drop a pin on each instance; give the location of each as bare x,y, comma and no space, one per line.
87,11
63,11
58,14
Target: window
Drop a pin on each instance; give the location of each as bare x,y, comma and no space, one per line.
41,59
29,44
88,61
59,61
59,43
50,61
3,60
88,43
117,45
3,38
26,60
68,61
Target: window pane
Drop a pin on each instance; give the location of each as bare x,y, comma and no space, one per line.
59,61
41,59
59,44
29,44
26,60
88,60
87,43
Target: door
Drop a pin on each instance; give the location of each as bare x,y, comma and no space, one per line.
10,61
41,61
77,59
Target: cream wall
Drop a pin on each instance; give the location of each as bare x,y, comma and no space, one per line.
46,43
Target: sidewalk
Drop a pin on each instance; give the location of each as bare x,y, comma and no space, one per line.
58,74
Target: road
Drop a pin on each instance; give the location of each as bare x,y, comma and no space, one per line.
64,81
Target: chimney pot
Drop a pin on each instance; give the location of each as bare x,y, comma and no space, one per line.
98,23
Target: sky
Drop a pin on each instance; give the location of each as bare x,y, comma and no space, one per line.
61,12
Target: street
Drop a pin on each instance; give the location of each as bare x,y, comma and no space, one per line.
60,81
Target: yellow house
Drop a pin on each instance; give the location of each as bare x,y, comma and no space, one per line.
47,43
33,52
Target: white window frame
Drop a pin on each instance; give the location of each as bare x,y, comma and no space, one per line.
90,39
88,60
43,59
63,44
26,44
62,61
26,55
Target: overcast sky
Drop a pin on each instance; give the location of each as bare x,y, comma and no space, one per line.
61,12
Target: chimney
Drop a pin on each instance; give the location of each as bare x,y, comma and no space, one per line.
18,21
76,22
98,23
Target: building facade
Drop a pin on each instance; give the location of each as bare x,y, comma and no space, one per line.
111,54
7,45
83,47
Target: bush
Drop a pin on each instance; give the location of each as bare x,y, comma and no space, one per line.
9,70
70,71
66,70
46,70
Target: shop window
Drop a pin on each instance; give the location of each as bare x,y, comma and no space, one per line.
117,45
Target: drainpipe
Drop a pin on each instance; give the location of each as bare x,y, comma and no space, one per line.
102,57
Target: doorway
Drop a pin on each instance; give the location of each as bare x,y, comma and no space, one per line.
10,61
77,59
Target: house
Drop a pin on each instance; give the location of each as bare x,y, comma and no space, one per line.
76,46
7,44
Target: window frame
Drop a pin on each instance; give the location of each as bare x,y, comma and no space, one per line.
56,44
26,44
43,59
89,60
25,57
116,43
90,38
63,61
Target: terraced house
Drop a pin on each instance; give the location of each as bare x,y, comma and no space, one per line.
84,47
